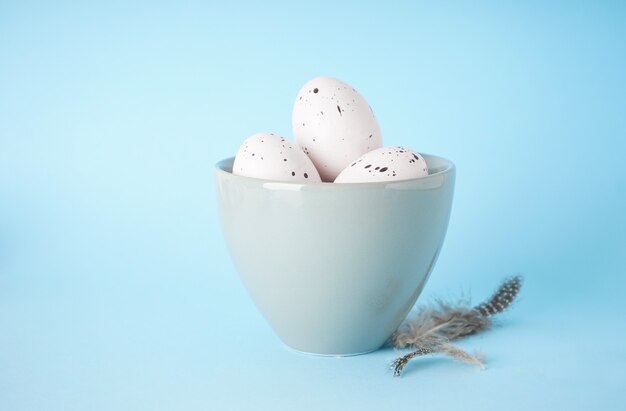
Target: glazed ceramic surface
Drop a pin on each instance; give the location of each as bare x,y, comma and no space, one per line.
335,268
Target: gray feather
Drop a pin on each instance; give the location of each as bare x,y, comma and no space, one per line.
435,326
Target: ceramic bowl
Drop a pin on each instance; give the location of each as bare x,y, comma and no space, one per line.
335,268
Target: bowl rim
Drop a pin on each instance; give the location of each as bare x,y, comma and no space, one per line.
224,168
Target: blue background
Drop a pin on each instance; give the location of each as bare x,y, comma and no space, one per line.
116,289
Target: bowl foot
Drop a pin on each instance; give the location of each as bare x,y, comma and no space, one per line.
329,355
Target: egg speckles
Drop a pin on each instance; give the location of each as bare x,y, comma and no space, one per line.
384,164
334,125
272,157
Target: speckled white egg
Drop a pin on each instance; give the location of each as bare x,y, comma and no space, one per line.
384,164
272,157
334,125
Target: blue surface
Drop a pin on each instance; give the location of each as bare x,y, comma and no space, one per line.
116,290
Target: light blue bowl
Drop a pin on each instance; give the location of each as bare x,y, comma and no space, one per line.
335,268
